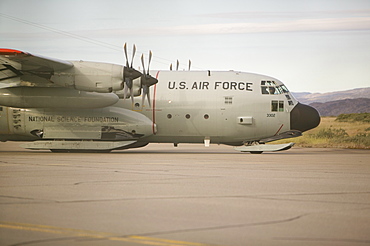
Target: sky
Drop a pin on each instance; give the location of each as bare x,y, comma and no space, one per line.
311,46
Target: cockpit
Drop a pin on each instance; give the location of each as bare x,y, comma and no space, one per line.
272,88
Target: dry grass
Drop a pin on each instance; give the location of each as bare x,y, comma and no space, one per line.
334,134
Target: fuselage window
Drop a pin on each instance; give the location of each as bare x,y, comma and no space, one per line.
277,106
274,106
281,106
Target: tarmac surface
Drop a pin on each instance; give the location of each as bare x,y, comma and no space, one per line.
185,196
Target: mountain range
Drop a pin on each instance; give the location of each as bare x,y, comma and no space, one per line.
337,102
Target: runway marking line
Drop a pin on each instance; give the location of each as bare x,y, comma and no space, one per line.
96,234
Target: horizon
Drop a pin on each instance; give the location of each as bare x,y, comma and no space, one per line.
315,46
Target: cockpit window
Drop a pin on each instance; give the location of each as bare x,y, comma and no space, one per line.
281,91
271,88
284,88
268,83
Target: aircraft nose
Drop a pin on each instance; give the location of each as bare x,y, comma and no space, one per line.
304,117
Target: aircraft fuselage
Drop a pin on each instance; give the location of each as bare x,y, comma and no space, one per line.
78,105
185,107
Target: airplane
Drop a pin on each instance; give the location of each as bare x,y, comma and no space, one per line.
82,106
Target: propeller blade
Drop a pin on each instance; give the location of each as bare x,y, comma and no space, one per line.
148,96
150,58
126,80
125,51
142,99
146,79
132,95
145,94
142,63
133,55
125,92
128,85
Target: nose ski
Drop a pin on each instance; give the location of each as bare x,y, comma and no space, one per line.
259,148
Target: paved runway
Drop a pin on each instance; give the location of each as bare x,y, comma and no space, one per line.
190,195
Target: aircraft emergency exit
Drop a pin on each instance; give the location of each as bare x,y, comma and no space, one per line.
80,106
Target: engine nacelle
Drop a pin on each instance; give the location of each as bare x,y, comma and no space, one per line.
91,76
54,97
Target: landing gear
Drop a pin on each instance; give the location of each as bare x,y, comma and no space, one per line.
257,148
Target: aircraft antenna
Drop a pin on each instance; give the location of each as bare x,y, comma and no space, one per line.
177,65
189,64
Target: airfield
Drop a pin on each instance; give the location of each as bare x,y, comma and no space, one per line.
185,196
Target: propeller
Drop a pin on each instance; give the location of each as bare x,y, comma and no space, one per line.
178,64
129,73
146,79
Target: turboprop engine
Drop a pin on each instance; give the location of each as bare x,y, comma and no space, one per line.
91,76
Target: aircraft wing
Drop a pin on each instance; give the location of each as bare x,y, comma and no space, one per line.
18,66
